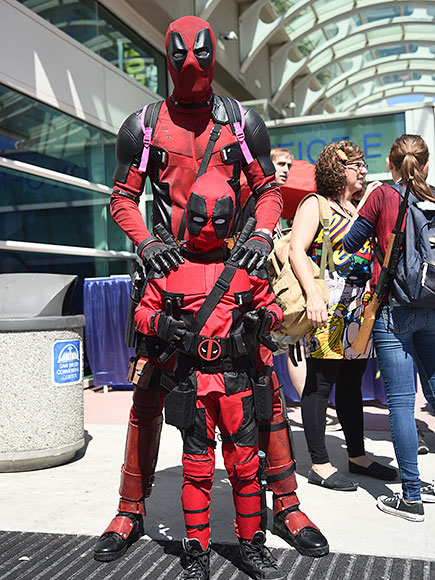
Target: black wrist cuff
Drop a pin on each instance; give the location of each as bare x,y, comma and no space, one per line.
153,321
265,237
145,243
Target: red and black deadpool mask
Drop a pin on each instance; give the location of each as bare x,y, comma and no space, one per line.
210,212
190,52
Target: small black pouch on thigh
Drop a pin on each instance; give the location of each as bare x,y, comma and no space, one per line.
180,408
262,401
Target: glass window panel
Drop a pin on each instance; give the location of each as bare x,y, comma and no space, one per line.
390,33
294,24
37,134
348,45
389,51
321,59
34,209
374,14
98,29
327,8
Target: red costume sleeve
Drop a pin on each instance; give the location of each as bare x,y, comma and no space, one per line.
150,304
124,209
268,200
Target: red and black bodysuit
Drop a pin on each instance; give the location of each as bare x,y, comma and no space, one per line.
210,362
180,139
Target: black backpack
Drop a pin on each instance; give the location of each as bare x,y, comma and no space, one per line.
413,283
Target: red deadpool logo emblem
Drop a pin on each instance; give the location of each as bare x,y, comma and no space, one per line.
209,349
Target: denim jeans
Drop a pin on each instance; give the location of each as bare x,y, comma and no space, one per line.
403,337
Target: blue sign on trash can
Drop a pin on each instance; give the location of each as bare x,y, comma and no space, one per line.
66,359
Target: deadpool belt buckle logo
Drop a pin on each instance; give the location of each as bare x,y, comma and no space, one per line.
209,349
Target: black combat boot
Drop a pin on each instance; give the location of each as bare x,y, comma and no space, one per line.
197,560
257,560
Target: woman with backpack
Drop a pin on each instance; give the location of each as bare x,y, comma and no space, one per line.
403,335
340,174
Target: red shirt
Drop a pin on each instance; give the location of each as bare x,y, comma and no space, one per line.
381,209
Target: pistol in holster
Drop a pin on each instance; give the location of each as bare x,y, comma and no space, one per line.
262,395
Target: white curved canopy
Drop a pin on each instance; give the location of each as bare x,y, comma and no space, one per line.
326,54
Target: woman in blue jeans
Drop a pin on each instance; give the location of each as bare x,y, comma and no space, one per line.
403,336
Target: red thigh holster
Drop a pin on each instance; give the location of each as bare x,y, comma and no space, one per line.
141,449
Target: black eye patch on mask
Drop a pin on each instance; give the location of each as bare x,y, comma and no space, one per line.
203,48
222,216
177,51
196,214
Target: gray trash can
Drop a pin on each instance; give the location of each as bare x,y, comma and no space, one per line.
41,372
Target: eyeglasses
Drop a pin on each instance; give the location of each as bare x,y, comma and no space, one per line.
358,165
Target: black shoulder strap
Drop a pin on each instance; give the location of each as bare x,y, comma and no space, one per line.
214,136
148,121
232,110
221,286
152,114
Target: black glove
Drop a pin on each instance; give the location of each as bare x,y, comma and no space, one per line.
256,324
158,256
170,329
253,255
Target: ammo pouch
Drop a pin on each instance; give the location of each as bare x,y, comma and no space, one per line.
139,372
180,407
262,396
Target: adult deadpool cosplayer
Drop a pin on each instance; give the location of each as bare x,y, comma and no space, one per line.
216,344
181,136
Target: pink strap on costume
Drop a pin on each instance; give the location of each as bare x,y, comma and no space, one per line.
147,133
240,135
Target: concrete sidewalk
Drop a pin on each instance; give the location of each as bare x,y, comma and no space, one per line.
81,497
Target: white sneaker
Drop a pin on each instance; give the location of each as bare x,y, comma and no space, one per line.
397,506
428,492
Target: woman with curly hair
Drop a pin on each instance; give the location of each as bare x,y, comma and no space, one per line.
340,174
403,335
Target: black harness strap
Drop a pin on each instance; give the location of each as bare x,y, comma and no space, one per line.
234,437
198,527
203,439
268,427
221,286
254,493
214,136
182,228
261,512
196,511
282,475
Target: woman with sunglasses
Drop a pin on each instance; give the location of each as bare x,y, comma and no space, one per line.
340,174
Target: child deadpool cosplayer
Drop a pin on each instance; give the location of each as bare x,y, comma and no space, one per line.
192,134
215,366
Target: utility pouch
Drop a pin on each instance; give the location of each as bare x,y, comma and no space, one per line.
262,397
180,408
139,372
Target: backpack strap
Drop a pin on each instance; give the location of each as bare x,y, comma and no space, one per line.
236,117
148,121
325,219
325,216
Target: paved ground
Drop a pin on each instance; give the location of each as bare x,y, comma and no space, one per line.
78,500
